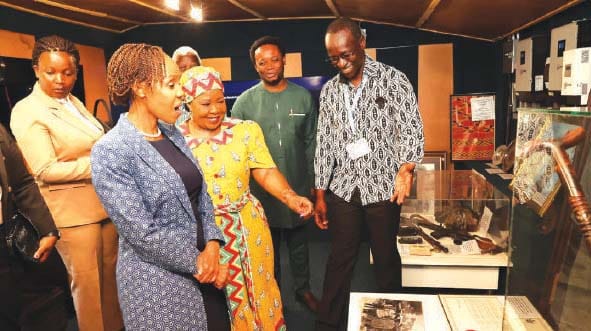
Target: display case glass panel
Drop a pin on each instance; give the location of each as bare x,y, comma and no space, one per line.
550,250
454,231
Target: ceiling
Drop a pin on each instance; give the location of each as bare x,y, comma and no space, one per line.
480,19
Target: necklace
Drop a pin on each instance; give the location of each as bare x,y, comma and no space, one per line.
151,135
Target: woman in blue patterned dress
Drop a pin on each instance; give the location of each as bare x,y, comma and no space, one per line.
168,272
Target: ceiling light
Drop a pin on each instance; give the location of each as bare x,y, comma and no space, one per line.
196,13
172,4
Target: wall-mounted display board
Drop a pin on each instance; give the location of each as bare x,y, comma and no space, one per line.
472,126
523,65
562,39
576,73
530,63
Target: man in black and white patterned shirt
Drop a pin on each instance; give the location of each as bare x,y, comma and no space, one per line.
370,136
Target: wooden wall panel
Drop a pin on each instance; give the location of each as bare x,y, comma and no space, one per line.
293,65
222,64
19,45
435,88
95,77
16,45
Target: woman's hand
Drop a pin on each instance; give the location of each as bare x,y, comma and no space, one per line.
300,205
46,244
275,183
208,263
222,277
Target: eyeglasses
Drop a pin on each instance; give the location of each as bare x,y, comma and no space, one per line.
347,56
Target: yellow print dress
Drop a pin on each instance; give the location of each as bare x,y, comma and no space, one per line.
226,159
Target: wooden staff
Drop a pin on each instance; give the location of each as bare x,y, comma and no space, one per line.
576,196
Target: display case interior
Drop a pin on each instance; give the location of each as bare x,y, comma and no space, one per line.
456,223
458,208
550,230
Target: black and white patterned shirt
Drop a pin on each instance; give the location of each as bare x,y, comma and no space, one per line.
386,115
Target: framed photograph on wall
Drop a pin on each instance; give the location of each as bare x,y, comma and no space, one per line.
472,126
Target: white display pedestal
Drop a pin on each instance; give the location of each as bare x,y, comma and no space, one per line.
453,271
442,270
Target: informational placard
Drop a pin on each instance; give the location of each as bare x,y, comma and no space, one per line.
562,39
483,108
523,65
576,73
485,220
473,312
472,137
491,313
539,83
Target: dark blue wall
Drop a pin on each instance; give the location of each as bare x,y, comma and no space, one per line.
395,46
579,12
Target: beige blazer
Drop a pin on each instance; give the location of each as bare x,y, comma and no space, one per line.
56,145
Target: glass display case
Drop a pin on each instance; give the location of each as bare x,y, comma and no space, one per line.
550,231
454,232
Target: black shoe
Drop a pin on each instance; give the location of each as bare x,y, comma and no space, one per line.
308,299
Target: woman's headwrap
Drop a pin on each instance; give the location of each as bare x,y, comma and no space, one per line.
199,79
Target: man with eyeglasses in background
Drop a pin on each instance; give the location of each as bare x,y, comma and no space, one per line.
369,138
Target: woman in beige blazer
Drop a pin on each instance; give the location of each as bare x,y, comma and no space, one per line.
56,132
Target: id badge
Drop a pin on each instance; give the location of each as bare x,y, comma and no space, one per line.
358,149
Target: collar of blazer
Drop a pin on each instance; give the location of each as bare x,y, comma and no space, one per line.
60,111
135,140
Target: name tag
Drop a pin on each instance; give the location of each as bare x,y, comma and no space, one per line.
358,149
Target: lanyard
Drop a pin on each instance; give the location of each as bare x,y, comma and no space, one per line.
351,106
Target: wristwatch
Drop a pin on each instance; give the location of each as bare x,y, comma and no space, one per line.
54,233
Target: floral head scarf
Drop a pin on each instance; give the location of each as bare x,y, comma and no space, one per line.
199,79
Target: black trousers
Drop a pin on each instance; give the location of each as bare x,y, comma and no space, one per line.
299,260
346,221
32,296
216,308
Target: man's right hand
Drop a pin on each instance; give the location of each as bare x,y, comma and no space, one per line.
320,211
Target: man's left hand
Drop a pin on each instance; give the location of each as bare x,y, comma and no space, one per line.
403,183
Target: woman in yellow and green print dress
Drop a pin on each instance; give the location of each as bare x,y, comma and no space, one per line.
229,151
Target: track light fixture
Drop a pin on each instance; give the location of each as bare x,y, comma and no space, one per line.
172,4
196,12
